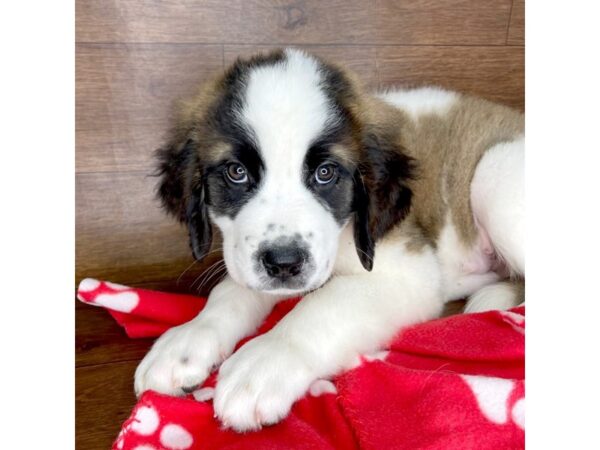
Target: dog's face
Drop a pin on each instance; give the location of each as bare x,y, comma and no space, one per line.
276,155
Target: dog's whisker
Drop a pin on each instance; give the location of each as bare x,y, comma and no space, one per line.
219,249
215,271
214,251
364,253
203,274
217,274
208,271
183,273
207,275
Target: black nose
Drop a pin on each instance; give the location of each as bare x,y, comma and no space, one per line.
283,262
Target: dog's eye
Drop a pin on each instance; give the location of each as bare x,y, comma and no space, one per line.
325,173
236,173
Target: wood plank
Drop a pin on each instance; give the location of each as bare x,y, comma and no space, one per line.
122,234
442,22
99,340
495,73
295,22
104,399
124,98
516,29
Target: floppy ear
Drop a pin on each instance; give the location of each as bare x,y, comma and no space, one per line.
382,196
181,192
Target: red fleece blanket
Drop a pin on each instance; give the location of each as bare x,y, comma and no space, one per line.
452,383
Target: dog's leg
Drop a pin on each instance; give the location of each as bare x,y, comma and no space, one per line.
184,356
502,295
498,200
323,334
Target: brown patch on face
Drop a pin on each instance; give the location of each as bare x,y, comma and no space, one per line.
346,152
220,150
200,135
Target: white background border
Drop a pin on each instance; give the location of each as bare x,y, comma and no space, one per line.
37,235
563,198
37,224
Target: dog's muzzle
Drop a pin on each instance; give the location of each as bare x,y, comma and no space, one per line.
284,262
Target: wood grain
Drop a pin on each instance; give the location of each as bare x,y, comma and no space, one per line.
122,235
441,22
516,28
99,340
124,98
495,73
103,401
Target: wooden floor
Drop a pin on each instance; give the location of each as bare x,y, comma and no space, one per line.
134,57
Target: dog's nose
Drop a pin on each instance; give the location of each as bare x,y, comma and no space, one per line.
283,262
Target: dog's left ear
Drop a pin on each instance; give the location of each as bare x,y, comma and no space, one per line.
382,195
182,192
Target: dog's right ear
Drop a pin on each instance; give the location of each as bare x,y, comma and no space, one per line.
181,192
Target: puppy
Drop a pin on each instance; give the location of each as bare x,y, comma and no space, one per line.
377,208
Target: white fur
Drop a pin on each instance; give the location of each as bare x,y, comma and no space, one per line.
353,313
286,109
498,200
184,356
464,269
491,297
421,101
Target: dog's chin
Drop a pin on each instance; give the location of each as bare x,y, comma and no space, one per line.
284,292
287,291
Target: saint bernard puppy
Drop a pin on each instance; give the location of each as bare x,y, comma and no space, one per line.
377,208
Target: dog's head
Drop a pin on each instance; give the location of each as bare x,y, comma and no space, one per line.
280,154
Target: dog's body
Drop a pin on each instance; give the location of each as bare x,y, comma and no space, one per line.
308,179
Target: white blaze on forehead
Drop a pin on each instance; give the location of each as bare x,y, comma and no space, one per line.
286,109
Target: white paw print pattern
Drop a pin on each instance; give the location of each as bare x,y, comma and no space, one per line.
515,320
492,395
121,298
146,423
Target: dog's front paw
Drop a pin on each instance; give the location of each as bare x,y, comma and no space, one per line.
259,383
180,360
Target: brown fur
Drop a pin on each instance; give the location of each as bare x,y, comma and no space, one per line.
446,149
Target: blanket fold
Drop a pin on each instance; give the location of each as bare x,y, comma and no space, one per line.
451,383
